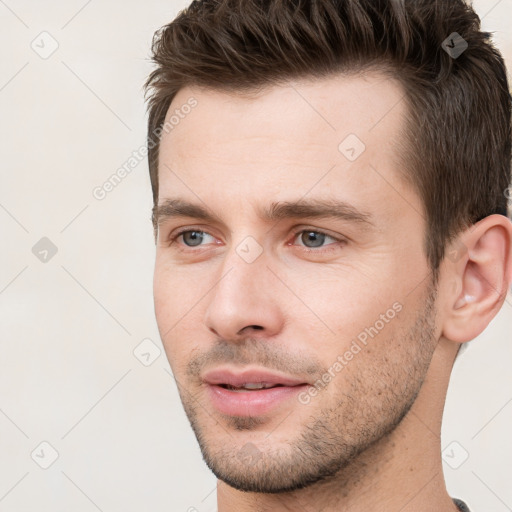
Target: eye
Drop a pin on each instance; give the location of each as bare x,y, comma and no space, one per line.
307,238
193,238
311,239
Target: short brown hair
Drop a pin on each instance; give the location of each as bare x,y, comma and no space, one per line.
459,135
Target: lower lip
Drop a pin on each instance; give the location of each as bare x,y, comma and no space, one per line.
251,403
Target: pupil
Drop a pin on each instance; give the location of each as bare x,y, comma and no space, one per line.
313,239
192,238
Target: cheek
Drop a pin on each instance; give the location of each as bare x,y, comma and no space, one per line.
174,290
171,329
375,364
164,300
169,300
347,301
177,304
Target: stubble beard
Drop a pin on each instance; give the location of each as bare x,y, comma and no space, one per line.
333,439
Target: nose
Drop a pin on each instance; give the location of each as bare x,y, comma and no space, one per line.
244,302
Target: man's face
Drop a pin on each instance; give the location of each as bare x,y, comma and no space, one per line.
336,312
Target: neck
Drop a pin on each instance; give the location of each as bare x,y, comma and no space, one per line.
401,472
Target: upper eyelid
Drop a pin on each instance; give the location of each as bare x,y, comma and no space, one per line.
179,232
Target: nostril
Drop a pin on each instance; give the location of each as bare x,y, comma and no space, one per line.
248,328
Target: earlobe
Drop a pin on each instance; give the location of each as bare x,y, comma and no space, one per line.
483,276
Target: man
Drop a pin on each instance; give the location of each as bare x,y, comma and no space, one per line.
329,180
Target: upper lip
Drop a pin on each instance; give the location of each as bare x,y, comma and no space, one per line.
239,378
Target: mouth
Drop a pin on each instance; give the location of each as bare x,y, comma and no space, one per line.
250,378
251,386
250,392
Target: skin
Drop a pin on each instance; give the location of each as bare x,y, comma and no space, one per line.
371,439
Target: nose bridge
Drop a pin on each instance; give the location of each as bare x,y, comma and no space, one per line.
243,296
244,266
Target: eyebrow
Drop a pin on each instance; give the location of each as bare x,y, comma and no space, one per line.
301,209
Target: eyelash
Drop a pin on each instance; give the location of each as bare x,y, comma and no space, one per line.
323,249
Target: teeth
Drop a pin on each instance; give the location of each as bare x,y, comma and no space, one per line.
252,386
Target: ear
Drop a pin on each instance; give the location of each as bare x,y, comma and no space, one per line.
480,273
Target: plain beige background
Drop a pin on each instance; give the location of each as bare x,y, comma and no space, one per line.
73,375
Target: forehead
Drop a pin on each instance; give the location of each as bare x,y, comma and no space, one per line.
355,103
325,134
